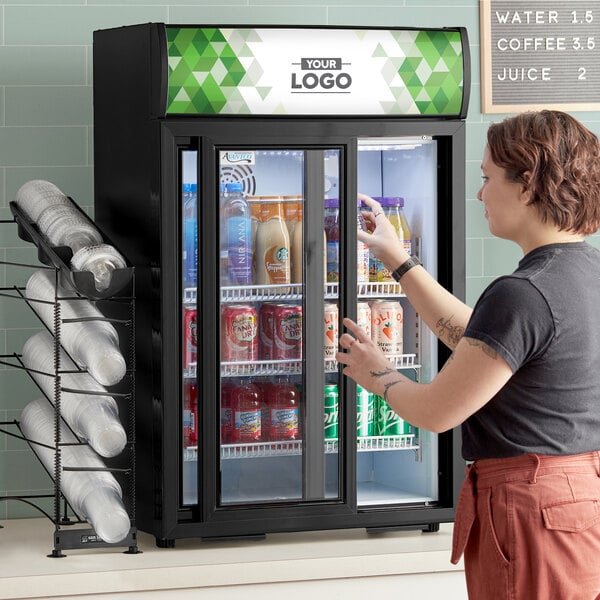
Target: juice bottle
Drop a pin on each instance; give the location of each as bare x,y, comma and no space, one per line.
362,251
190,414
272,254
292,205
283,411
393,208
226,414
296,249
332,234
246,401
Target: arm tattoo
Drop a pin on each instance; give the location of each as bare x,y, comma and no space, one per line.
452,332
387,371
387,388
486,349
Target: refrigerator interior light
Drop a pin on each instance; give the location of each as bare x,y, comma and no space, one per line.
381,144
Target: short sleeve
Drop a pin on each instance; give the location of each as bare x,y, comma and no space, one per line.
513,318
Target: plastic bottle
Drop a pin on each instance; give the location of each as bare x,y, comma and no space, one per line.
246,403
95,495
190,414
393,208
297,250
272,256
283,408
332,233
190,234
92,417
235,214
226,413
93,344
362,251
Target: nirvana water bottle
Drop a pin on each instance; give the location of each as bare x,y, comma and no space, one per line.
95,416
235,213
190,234
94,494
93,343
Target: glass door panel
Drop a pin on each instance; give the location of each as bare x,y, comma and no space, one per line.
397,463
270,410
188,190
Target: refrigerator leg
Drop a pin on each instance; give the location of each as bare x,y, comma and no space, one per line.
165,543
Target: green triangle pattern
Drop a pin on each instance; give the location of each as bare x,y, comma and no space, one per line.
205,70
432,71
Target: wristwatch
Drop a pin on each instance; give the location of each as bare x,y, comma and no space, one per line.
407,265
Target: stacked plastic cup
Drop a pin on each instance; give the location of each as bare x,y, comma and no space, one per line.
63,224
91,416
94,494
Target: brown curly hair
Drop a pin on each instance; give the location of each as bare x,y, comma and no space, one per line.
558,159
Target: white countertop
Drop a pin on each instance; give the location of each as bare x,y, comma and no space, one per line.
27,572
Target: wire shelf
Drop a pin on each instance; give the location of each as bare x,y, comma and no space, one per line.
294,447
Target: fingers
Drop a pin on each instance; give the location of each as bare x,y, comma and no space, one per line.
357,330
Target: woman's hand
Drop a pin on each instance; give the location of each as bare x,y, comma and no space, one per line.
381,236
365,362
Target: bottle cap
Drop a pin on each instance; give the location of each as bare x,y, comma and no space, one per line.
331,203
389,200
234,186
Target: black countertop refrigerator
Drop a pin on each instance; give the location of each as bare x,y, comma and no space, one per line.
227,166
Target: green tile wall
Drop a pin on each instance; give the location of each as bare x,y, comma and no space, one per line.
46,133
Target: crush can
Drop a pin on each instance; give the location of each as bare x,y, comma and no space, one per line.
331,403
365,412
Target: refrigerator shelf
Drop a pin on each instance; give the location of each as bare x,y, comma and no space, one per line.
294,447
293,291
289,367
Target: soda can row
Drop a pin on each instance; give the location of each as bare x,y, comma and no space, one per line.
272,333
374,417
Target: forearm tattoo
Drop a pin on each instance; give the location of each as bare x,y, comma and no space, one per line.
387,388
451,332
383,373
479,344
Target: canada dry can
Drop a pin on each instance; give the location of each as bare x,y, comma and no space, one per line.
239,333
331,402
287,332
265,330
387,326
388,422
365,412
330,340
190,338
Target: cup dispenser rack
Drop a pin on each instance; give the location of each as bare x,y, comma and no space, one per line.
117,303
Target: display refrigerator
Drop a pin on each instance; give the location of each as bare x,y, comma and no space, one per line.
228,162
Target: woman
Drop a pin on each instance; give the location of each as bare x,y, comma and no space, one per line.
523,379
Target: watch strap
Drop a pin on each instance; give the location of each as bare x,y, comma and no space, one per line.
407,265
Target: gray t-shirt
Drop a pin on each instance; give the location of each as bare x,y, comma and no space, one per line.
544,320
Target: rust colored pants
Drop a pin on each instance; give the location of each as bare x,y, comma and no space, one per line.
529,528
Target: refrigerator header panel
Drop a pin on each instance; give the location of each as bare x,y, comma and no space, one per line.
286,71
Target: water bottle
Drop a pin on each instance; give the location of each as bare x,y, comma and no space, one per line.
190,235
94,495
92,417
93,344
235,213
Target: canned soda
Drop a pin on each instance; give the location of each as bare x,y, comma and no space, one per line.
190,414
363,317
365,412
287,332
265,329
331,404
239,333
388,422
387,326
190,338
330,342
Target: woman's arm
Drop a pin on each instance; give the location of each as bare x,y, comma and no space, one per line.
469,379
443,313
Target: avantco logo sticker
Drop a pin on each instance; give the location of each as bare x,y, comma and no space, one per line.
237,157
